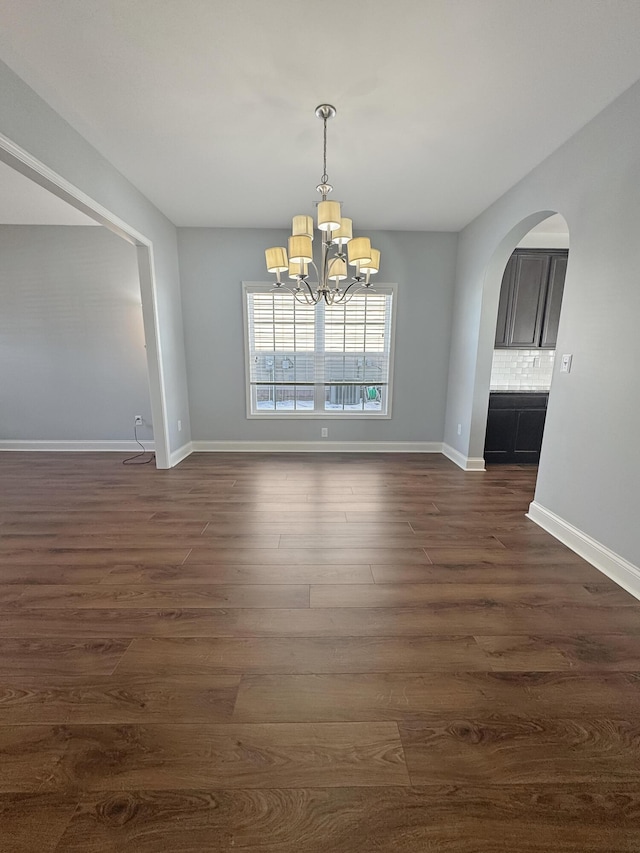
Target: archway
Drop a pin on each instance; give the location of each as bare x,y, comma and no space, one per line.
489,314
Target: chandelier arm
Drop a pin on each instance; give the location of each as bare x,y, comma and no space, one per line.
305,301
313,264
347,297
347,289
304,297
311,294
279,285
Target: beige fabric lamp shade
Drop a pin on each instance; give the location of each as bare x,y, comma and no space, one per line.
302,226
329,215
277,259
373,265
300,250
359,250
296,269
344,232
338,269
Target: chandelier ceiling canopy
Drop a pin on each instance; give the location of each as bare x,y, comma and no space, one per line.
339,249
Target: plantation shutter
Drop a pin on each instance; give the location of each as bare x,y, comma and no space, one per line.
280,326
314,359
357,340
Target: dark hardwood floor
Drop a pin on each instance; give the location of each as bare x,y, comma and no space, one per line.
306,654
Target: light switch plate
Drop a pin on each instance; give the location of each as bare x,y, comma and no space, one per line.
565,363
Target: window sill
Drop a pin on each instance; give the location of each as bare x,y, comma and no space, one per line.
320,416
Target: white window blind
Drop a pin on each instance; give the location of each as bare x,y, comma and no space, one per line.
328,360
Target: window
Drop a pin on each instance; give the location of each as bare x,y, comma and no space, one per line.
318,361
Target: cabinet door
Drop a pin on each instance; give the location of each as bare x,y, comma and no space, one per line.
527,305
502,326
554,301
528,438
501,428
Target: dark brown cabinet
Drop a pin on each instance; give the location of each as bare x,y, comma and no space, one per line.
531,298
515,424
557,273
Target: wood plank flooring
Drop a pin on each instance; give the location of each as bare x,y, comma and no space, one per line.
306,654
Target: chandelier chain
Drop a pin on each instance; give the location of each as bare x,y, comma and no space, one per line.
325,178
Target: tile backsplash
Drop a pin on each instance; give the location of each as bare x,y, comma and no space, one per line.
522,369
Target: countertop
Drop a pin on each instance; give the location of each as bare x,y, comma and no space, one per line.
519,390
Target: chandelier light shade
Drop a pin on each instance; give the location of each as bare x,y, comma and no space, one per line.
344,232
329,215
277,259
302,226
338,269
336,232
300,250
359,250
373,265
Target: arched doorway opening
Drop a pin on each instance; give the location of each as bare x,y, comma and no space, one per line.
524,353
492,285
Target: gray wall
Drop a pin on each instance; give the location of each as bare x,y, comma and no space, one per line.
214,262
72,357
590,465
29,122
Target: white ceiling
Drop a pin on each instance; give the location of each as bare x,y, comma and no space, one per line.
22,202
551,233
208,105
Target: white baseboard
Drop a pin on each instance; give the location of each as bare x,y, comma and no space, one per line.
98,445
467,463
624,573
181,453
317,446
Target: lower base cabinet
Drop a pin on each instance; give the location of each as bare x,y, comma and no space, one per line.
515,424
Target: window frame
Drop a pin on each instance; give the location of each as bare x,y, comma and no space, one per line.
368,415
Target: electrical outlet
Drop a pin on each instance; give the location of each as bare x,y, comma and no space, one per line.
179,426
137,420
459,429
324,432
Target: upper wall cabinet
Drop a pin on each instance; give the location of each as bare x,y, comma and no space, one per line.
531,298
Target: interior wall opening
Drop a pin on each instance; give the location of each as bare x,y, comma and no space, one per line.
524,357
35,203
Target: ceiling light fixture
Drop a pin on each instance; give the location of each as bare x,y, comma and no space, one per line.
336,234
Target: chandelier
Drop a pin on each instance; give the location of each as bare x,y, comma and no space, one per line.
336,234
